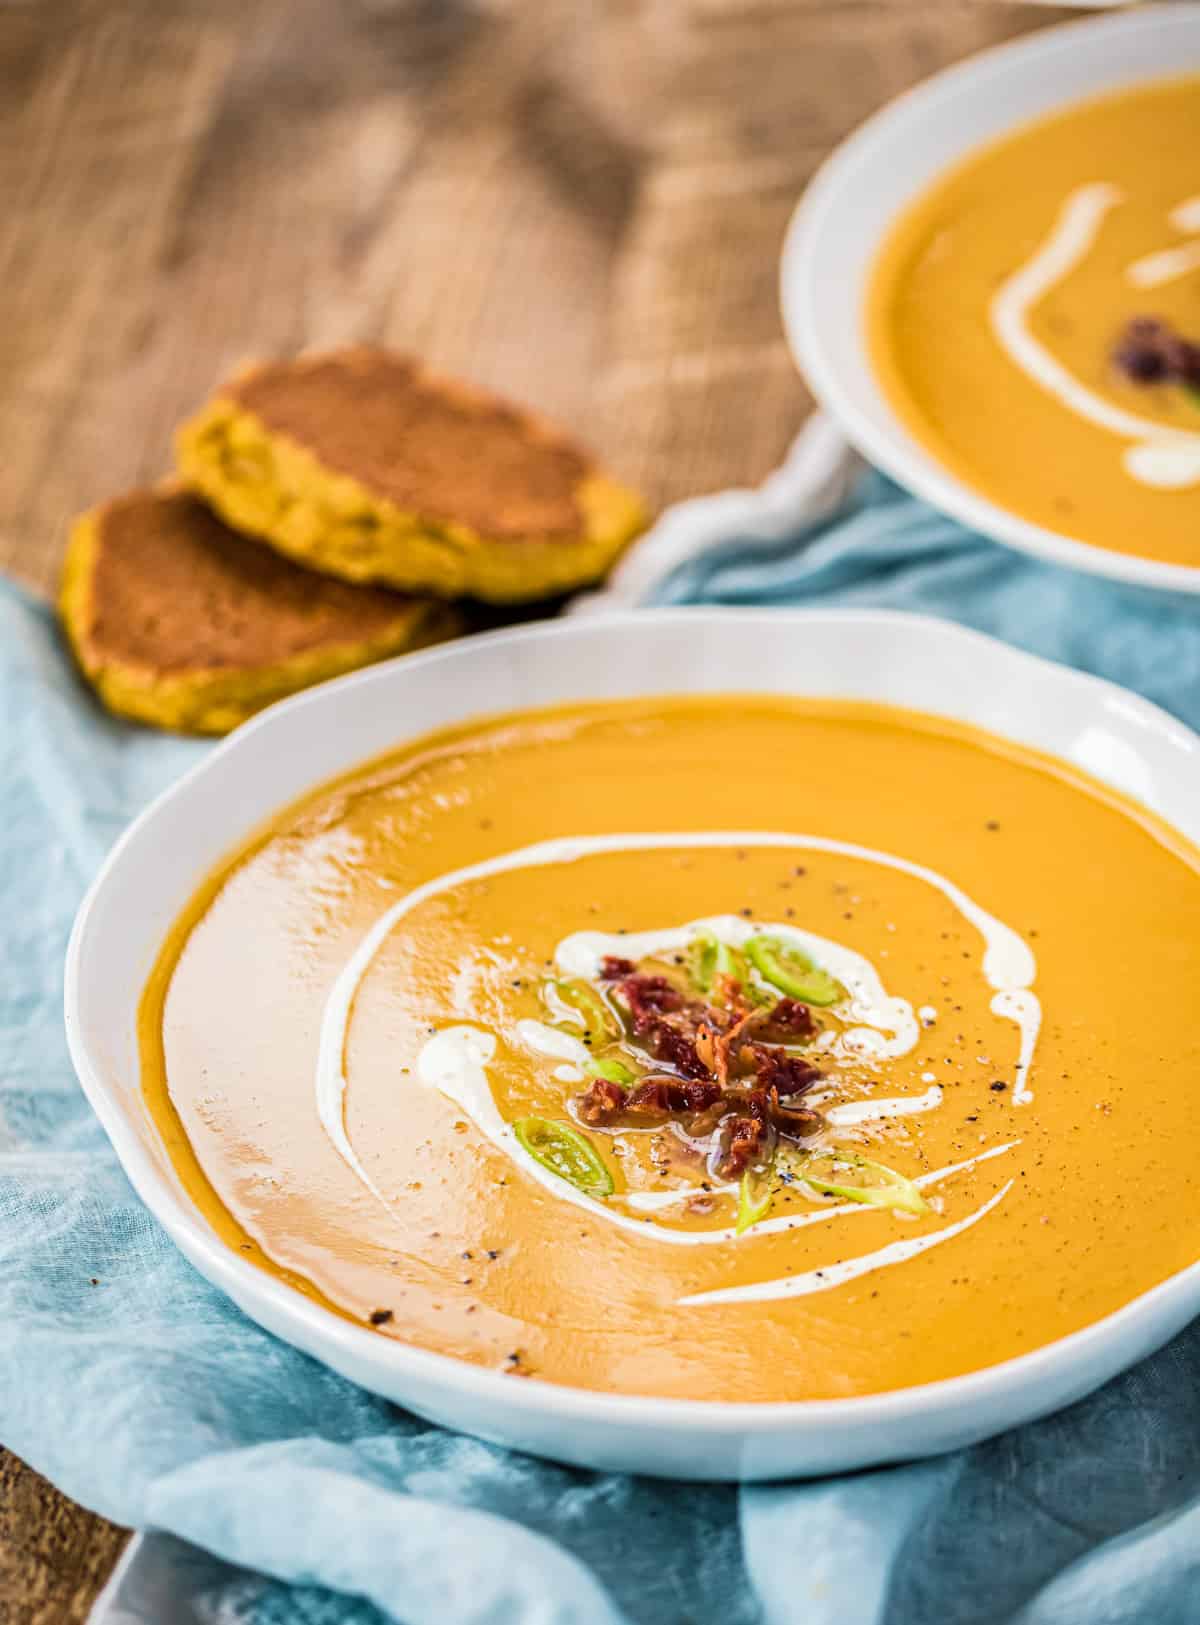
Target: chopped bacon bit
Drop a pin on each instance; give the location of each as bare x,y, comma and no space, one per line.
743,1146
701,1094
670,1043
659,1097
790,1117
612,968
755,1104
732,1047
708,1046
601,1102
1149,351
786,1074
732,993
785,1022
722,1065
655,1097
649,997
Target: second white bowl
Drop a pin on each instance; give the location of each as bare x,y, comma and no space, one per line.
854,199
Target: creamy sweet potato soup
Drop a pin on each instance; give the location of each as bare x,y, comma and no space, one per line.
734,1047
1035,320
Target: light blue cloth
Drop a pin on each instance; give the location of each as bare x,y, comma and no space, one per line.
136,1387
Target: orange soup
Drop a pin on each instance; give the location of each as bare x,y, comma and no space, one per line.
732,1048
1034,318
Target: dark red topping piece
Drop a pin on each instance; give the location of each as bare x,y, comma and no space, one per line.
745,1143
612,968
790,1117
648,997
723,1066
1149,351
786,1074
661,1096
655,1097
788,1022
702,1094
670,1043
601,1101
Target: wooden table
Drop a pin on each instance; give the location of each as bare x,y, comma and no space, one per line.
578,203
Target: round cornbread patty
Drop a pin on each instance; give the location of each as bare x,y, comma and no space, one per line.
177,621
365,465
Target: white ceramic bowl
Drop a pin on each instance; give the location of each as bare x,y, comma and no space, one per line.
908,660
857,194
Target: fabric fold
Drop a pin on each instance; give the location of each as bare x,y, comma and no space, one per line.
144,1393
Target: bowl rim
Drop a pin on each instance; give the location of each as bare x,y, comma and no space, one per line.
892,448
310,1326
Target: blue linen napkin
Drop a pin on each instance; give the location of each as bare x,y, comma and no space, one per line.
144,1394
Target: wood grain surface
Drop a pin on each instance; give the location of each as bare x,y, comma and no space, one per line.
579,202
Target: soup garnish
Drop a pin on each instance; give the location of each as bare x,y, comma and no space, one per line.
829,1107
1032,317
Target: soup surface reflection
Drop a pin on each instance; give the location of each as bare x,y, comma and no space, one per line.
732,1048
1035,320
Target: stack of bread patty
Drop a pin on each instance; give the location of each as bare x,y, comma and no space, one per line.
328,511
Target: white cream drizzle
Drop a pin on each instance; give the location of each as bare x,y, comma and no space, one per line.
889,1029
1008,961
1023,1007
875,1111
652,1201
455,1061
1166,465
829,1276
543,1039
1161,457
1185,216
1152,270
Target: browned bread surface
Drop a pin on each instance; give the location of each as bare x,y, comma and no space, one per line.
366,466
180,621
429,444
174,588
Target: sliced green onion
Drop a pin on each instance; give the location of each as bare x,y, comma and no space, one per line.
792,971
714,962
582,1000
615,1071
755,1194
712,958
702,961
889,1190
565,1152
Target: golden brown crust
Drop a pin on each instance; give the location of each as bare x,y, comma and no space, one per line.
175,589
179,621
428,444
365,466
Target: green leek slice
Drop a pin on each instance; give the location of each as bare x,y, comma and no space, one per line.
888,1190
711,958
581,998
792,971
614,1071
755,1194
714,963
564,1151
